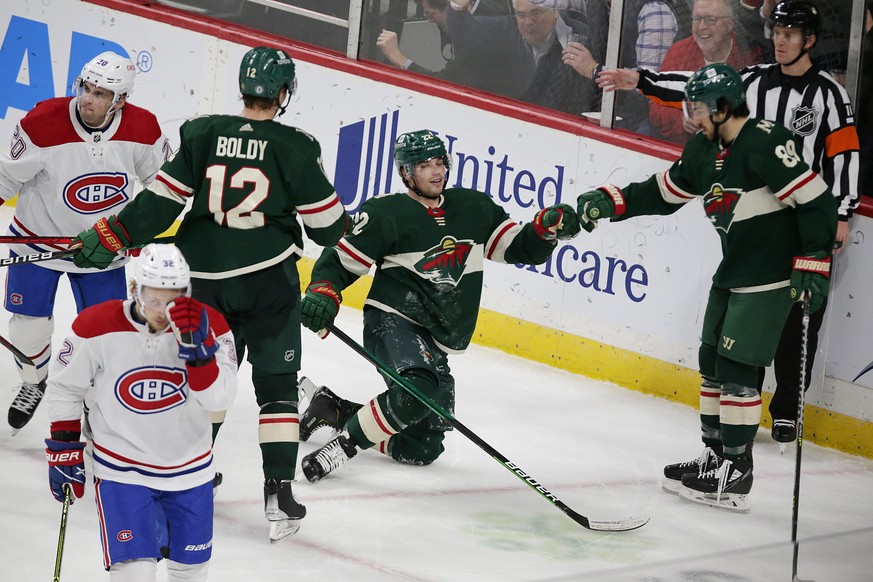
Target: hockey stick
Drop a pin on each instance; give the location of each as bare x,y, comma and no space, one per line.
800,401
37,257
28,368
62,533
36,240
592,524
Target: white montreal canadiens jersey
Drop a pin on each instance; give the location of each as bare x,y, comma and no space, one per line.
68,178
148,426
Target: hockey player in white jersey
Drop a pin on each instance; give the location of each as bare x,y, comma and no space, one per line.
71,161
151,369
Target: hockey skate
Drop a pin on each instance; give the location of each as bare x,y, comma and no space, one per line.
325,409
707,461
281,509
22,408
334,455
784,431
725,487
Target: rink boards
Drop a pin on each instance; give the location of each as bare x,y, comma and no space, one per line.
623,304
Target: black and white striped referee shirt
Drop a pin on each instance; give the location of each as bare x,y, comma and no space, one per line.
813,106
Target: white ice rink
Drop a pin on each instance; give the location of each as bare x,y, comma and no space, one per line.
597,447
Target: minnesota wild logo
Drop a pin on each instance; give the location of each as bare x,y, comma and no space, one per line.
719,205
445,263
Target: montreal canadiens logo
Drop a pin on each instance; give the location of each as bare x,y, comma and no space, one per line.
124,535
96,193
152,389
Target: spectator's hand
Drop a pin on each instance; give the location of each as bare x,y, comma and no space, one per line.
387,43
842,235
579,57
689,126
612,79
767,7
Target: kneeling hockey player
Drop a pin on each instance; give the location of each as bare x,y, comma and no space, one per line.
428,246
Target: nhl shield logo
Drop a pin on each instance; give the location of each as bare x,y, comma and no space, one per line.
803,120
720,205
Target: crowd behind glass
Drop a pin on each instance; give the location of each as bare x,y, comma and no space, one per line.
519,48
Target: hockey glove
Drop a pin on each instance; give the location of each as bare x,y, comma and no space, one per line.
66,462
811,277
100,244
605,202
559,221
320,305
190,324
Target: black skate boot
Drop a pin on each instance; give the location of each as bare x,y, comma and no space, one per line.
784,430
331,456
22,408
707,460
725,487
325,409
281,509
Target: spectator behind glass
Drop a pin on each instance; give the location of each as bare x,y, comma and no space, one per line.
649,29
531,43
712,40
467,67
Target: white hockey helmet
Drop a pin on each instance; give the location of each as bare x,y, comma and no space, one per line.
162,266
109,71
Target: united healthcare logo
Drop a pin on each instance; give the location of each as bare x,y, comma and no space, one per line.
365,162
365,168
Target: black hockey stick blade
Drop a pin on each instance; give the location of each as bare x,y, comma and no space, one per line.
28,368
37,257
628,524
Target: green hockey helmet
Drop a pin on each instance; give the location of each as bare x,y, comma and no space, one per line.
711,83
418,146
264,71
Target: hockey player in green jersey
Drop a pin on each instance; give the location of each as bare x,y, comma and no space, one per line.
248,178
428,246
777,222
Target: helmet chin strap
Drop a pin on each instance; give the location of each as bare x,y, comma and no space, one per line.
284,106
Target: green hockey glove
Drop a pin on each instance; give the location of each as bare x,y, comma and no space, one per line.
811,277
559,221
100,244
319,306
605,202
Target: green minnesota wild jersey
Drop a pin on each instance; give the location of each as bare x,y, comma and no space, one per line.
247,182
763,200
429,261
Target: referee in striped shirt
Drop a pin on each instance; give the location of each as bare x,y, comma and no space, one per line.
816,108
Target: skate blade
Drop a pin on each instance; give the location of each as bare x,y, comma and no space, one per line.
14,430
782,447
305,389
282,529
729,501
672,486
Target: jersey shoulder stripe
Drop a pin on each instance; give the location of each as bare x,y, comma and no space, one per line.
48,123
101,319
216,321
138,125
